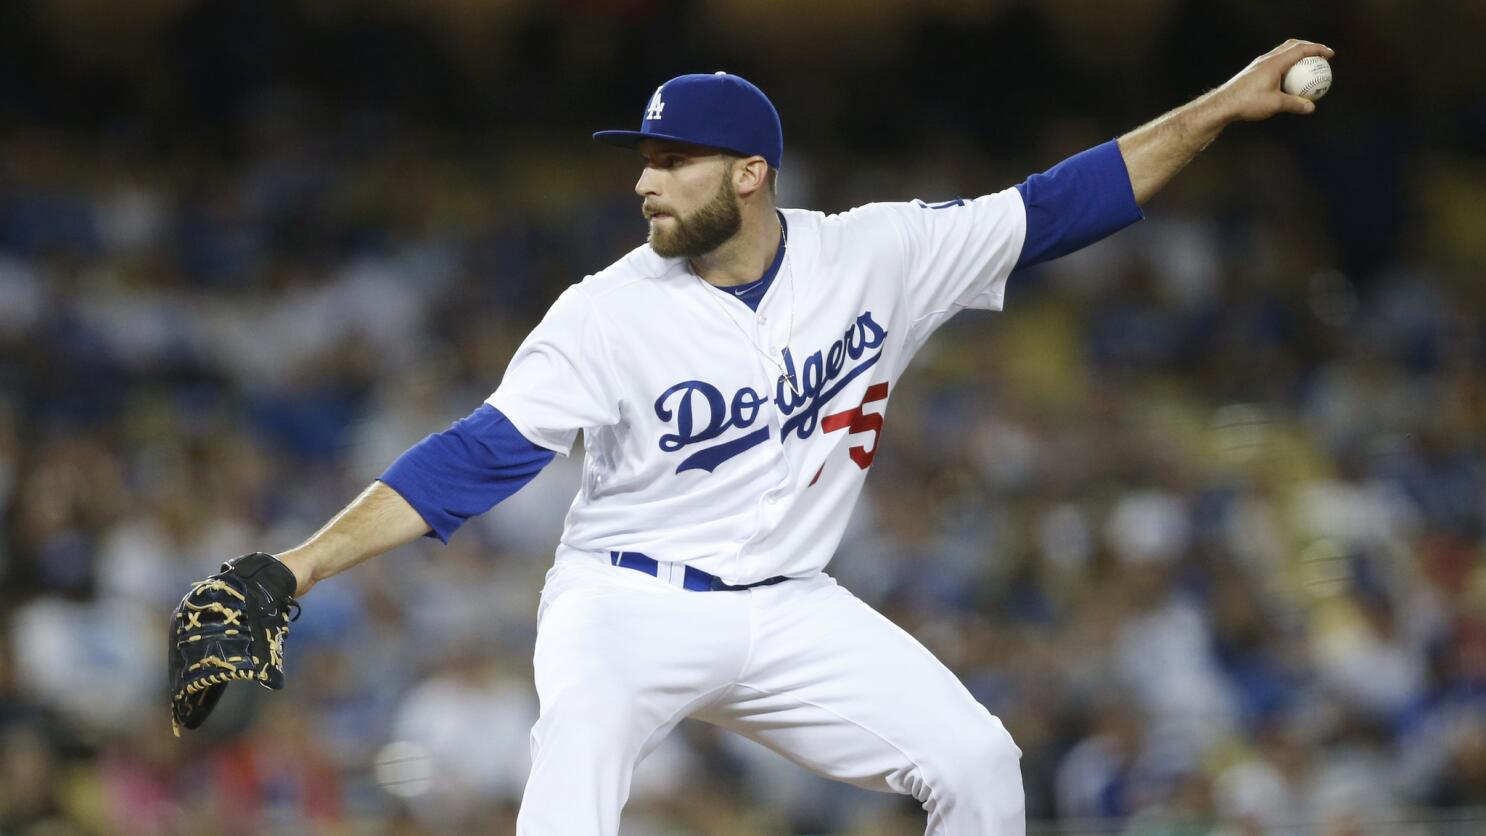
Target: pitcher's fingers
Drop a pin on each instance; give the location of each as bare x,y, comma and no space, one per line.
1296,104
1305,49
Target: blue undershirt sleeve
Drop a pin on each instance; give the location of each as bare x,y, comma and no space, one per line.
465,470
1077,202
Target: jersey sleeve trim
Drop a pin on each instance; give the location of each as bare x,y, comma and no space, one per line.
527,431
1082,199
465,470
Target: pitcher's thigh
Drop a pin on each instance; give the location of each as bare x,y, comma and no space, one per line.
837,688
616,669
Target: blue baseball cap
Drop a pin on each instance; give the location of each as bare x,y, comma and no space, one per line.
718,110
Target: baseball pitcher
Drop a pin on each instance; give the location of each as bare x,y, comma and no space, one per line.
730,378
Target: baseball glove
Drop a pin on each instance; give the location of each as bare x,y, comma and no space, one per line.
229,627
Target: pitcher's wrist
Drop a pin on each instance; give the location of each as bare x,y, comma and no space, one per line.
300,564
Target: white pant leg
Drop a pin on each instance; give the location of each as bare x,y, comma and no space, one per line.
620,659
837,688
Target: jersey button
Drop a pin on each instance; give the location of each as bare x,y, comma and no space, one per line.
763,320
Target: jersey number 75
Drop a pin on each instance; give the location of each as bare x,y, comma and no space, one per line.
854,420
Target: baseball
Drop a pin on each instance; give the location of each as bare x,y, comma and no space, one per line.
1309,78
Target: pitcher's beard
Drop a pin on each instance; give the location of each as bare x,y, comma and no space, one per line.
706,229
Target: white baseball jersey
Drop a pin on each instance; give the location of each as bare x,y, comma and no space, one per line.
698,450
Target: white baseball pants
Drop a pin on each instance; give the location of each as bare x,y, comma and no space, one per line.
802,667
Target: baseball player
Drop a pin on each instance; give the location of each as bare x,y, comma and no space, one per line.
730,379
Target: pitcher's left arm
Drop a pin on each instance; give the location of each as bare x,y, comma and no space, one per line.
1157,150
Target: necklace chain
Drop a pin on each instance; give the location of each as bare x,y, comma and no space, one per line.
784,375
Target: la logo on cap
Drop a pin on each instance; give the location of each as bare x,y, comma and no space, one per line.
656,105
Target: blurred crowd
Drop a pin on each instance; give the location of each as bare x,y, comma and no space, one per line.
1201,515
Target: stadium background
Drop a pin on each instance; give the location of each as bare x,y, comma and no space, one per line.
1200,515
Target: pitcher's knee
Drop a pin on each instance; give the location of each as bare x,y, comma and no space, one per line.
981,765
